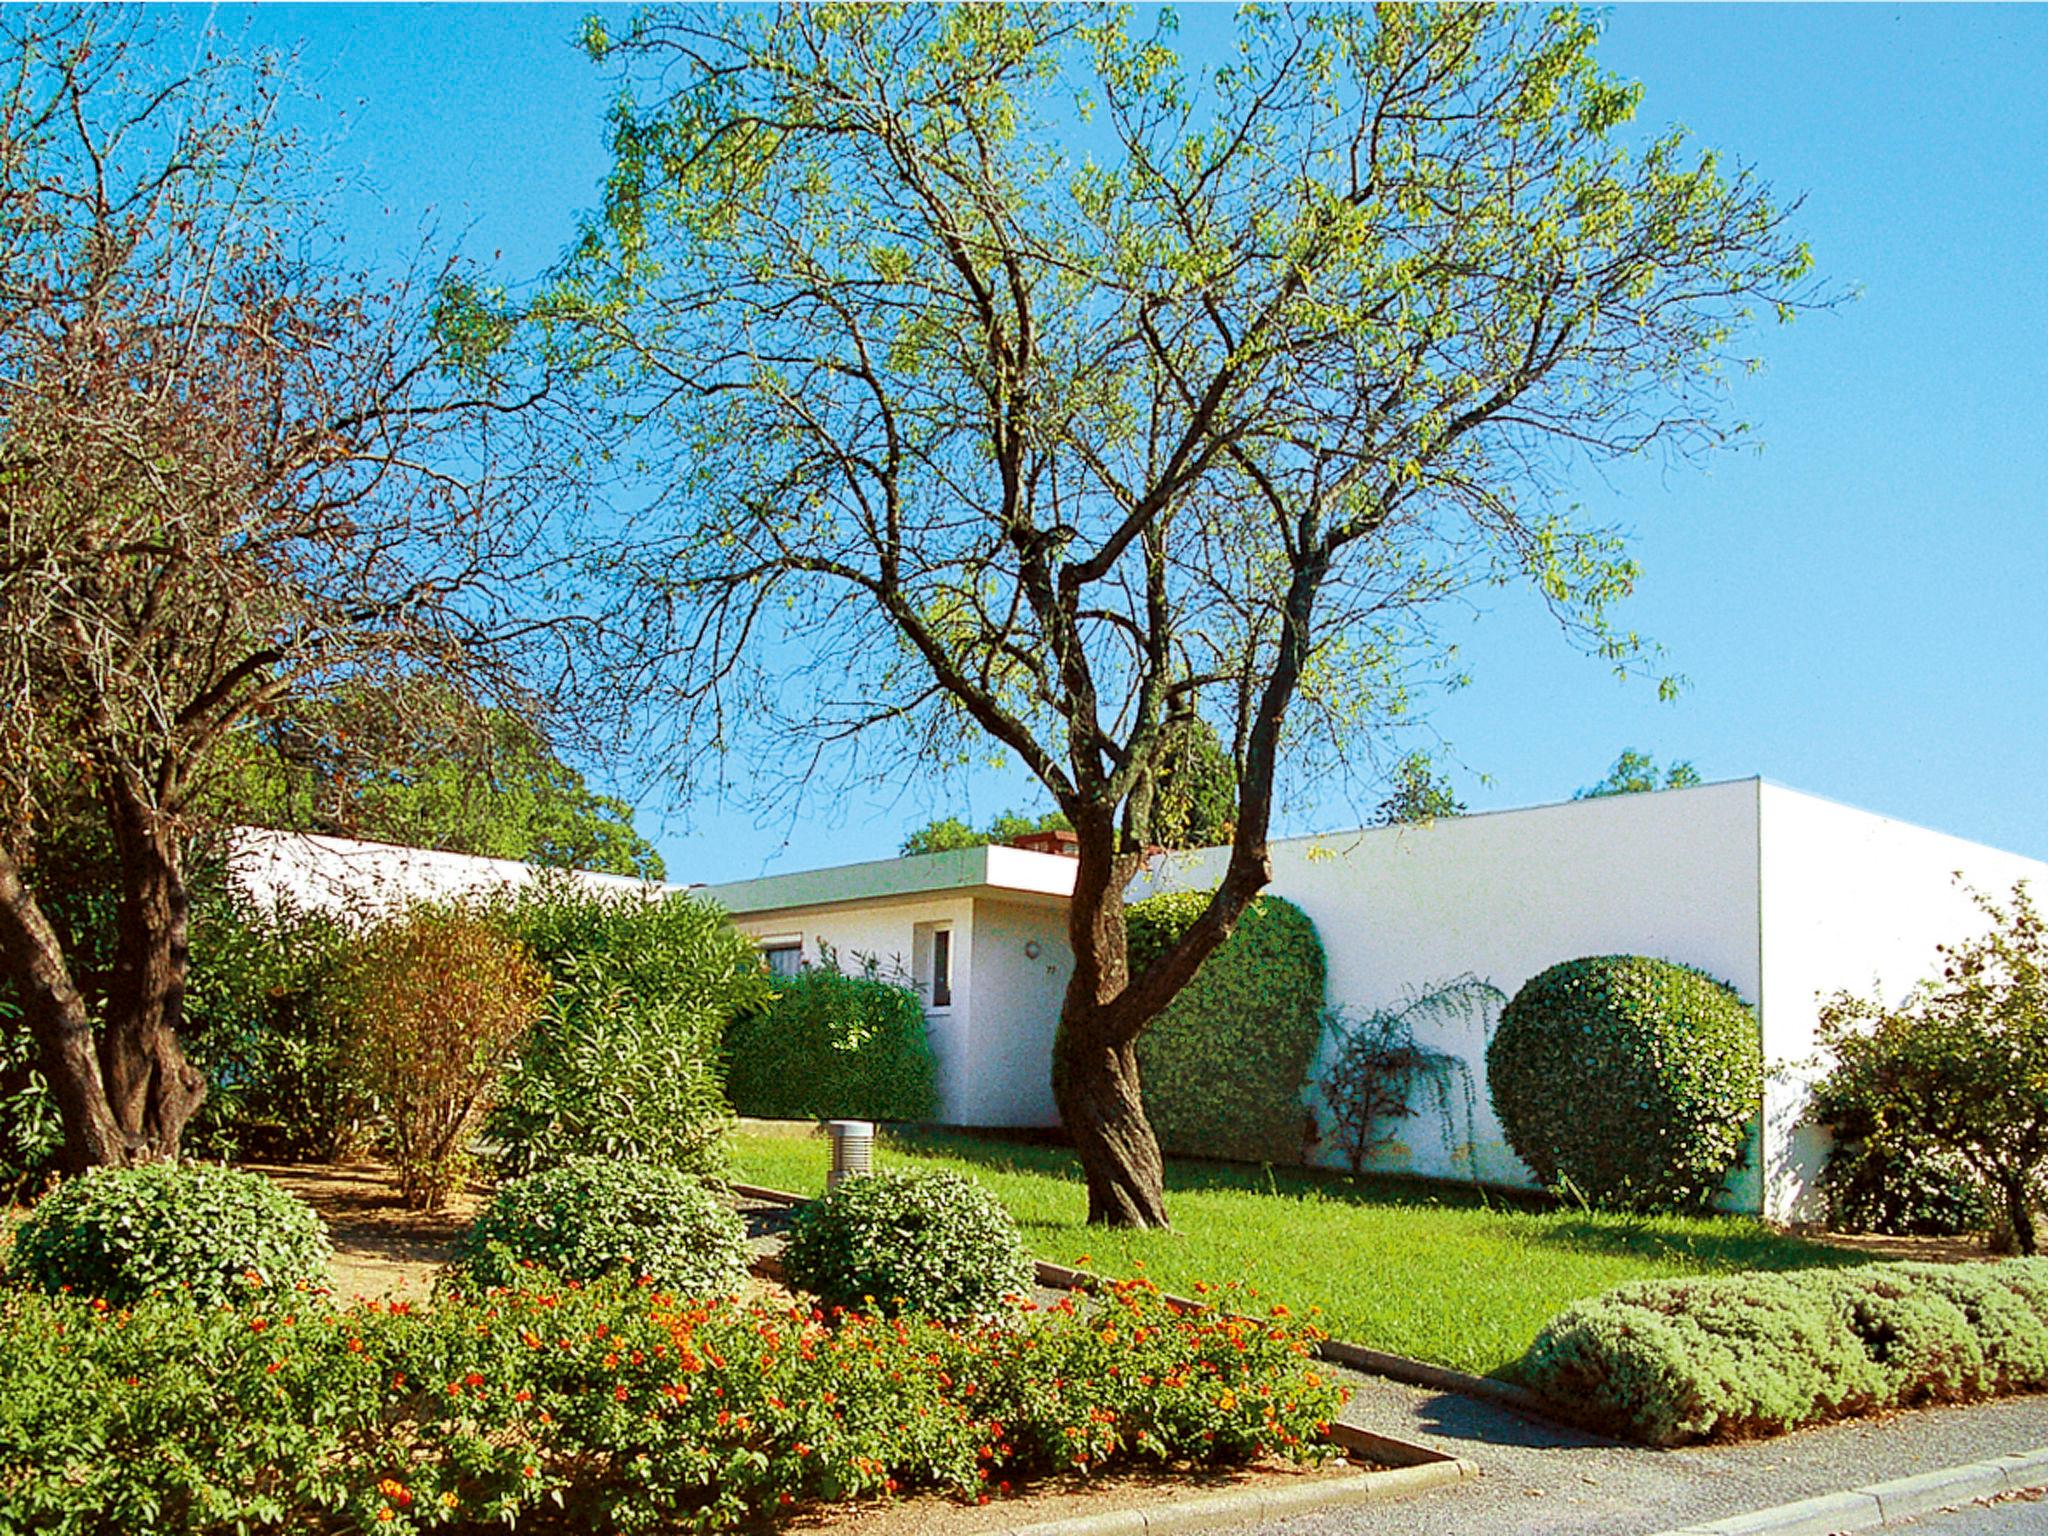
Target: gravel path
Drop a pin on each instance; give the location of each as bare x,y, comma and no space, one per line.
1540,1480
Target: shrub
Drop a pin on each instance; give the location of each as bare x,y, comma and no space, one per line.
1377,1066
1224,1067
198,1232
1670,1361
438,998
31,1132
624,1060
932,1243
279,1063
833,1046
1896,1184
1956,1078
595,1216
1632,1082
609,1407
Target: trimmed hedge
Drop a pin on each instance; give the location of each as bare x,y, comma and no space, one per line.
1628,1081
1737,1356
198,1233
933,1243
832,1046
1224,1066
594,1216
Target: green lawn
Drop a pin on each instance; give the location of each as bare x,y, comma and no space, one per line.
1433,1271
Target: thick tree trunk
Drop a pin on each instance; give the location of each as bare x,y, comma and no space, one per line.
57,1017
1095,1057
2019,1211
151,1088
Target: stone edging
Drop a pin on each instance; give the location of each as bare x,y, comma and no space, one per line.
1880,1504
1374,1362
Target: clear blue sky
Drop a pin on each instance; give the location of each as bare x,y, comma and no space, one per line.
1861,606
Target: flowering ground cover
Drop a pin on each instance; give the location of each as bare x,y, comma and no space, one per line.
607,1407
1451,1275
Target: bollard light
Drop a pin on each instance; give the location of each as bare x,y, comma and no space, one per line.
853,1150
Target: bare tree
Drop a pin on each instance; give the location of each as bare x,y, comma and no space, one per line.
1012,378
230,469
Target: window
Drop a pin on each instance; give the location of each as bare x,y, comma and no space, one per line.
784,956
942,967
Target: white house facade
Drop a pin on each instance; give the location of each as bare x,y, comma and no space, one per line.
1785,896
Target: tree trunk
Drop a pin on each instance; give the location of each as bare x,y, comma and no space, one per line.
2019,1210
151,1088
57,1017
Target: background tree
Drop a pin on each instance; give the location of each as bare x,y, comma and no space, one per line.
1960,1068
1017,379
1636,773
413,764
231,471
1420,794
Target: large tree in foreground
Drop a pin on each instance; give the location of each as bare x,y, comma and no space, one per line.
231,471
1018,379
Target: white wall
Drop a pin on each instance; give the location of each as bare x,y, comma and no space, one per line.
886,930
1851,901
1016,1010
1506,895
339,874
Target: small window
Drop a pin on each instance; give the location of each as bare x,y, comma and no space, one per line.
942,968
784,957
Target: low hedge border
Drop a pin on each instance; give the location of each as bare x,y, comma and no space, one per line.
1731,1357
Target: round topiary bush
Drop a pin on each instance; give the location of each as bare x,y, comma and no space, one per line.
593,1216
935,1244
199,1231
1630,1081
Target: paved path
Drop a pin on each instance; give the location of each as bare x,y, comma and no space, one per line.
1539,1480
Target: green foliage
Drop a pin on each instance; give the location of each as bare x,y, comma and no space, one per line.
608,1407
593,1216
1420,794
1899,1185
1225,1065
952,833
1667,1362
833,1046
280,1066
1194,799
936,1244
1958,1073
1378,1066
198,1232
414,763
624,1059
1629,1081
31,1134
1636,773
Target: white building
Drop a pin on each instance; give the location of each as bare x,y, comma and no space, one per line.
1785,896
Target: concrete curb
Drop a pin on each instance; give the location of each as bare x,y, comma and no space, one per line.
1407,1468
1374,1362
1881,1504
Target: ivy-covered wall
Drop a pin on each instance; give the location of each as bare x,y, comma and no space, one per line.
1225,1065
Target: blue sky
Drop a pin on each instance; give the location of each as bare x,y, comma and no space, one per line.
1861,605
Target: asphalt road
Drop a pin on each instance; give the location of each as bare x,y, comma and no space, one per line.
1542,1480
2023,1514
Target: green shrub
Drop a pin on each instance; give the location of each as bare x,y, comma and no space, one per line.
1670,1361
31,1132
1897,1186
280,1065
595,1216
624,1061
1954,1078
198,1232
606,1408
1629,1081
833,1046
1224,1067
935,1244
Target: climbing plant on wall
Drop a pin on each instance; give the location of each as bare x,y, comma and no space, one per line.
1225,1065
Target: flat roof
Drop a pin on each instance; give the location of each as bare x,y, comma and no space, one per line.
993,870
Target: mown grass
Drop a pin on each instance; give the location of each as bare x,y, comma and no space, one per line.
1437,1271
